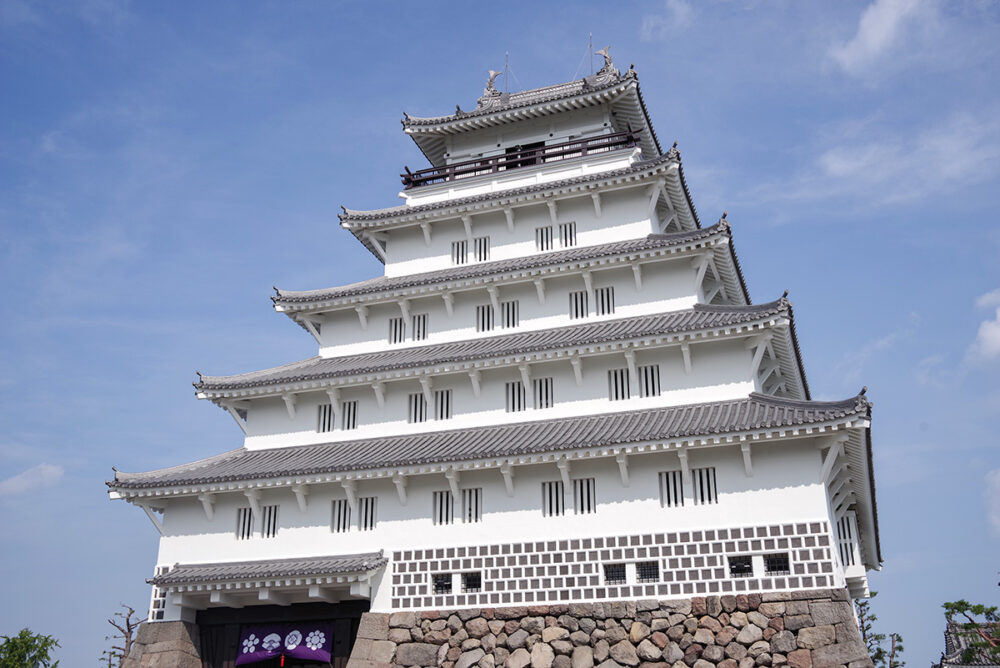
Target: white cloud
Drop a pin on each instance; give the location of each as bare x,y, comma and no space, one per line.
993,500
880,30
676,14
42,475
852,365
987,343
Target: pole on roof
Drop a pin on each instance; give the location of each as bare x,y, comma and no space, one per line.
506,70
591,50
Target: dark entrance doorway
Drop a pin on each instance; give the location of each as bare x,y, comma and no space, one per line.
219,630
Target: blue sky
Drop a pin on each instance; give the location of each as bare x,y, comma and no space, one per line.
162,165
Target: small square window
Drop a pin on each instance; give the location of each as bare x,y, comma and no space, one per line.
472,582
442,583
776,564
647,571
614,574
741,566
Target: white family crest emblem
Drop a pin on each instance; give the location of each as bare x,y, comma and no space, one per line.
315,640
250,644
271,641
293,640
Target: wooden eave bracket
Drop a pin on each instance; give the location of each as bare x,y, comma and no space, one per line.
686,355
540,289
253,496
313,325
596,197
622,459
553,210
322,594
301,496
747,461
208,504
351,490
834,446
426,229
399,480
379,390
217,597
334,396
289,399
509,215
577,364
637,273
233,408
507,471
563,465
449,303
404,310
427,387
529,390
474,378
467,223
151,514
494,293
362,312
268,595
453,477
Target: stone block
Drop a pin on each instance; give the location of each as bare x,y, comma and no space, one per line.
437,637
704,637
638,632
758,648
713,653
698,607
554,633
750,634
562,661
511,613
471,644
609,664
402,620
772,609
562,647
784,642
382,651
829,612
579,638
647,651
601,650
517,639
728,663
738,619
583,657
487,661
469,613
755,617
533,624
682,606
702,663
726,635
763,659
587,625
624,653
796,622
399,635
673,653
747,662
581,609
831,656
518,659
417,654
816,637
742,603
470,658
728,602
713,606
735,650
659,639
753,600
477,627
542,656
615,635
647,605
797,608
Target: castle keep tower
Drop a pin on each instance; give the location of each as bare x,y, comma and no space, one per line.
559,396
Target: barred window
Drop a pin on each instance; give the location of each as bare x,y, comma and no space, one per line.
340,520
741,566
325,421
514,393
417,408
567,234
510,314
367,506
441,582
777,564
584,497
459,252
349,414
472,582
397,330
579,304
442,404
269,528
472,505
420,327
244,523
482,246
484,318
619,384
542,392
158,600
671,489
614,574
705,491
543,238
553,502
605,298
647,571
649,380
443,508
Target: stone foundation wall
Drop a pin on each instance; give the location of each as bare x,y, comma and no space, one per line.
806,629
163,644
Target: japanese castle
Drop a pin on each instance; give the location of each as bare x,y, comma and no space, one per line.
559,392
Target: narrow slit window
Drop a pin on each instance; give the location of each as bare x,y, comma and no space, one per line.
649,380
244,523
543,238
417,408
459,252
567,234
472,505
705,491
514,392
472,582
542,392
584,496
605,298
553,500
441,583
614,574
510,314
442,405
619,384
397,330
420,327
579,304
367,508
349,414
741,566
340,521
647,571
777,564
671,489
269,527
482,247
484,317
443,508
325,419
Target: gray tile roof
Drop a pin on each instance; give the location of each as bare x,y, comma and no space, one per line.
758,411
525,263
698,318
274,568
956,642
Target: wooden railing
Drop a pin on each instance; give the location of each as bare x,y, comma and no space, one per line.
525,158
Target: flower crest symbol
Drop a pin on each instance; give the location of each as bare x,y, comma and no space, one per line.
293,639
250,644
271,641
315,640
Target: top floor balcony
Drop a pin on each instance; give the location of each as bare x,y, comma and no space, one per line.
520,156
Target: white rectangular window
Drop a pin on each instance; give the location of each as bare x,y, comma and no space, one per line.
605,298
542,390
367,508
443,508
510,314
671,489
244,523
420,327
567,234
584,498
340,521
397,330
514,393
459,252
543,238
579,304
325,421
269,528
553,501
482,247
619,384
484,317
158,600
442,405
704,486
417,409
349,414
649,380
472,505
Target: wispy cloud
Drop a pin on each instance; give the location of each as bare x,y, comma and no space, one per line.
675,14
42,475
880,32
852,365
987,343
993,500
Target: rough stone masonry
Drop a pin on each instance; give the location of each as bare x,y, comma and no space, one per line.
806,629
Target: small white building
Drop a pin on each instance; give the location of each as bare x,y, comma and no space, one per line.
560,391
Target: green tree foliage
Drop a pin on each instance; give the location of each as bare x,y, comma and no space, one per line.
27,650
979,627
874,641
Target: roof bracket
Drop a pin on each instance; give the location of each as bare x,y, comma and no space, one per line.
596,196
747,462
577,369
268,595
540,289
686,354
208,504
289,399
452,475
317,592
509,214
221,598
553,210
507,471
474,377
637,273
622,460
379,389
449,303
362,312
351,490
301,496
494,293
426,229
399,480
529,390
563,465
467,223
836,447
151,514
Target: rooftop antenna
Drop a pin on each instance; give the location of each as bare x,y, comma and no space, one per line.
506,78
591,50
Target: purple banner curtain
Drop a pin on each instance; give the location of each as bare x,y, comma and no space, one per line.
306,640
